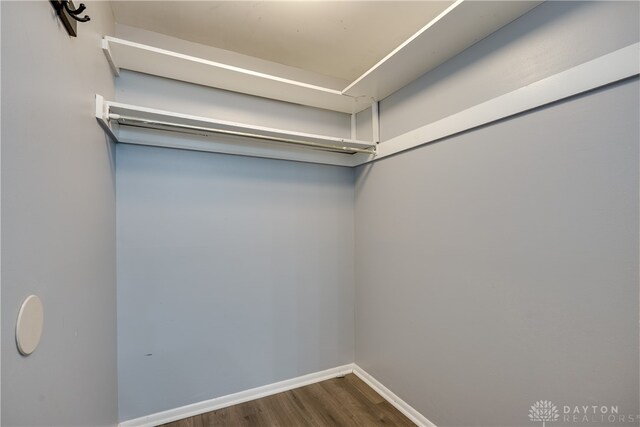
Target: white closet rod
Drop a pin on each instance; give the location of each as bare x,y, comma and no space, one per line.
180,127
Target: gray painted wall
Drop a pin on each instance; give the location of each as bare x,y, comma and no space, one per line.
504,265
364,125
58,219
172,95
233,273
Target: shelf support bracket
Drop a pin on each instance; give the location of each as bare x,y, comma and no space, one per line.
112,63
375,117
102,116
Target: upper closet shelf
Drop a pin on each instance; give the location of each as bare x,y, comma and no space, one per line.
147,126
165,63
458,27
455,29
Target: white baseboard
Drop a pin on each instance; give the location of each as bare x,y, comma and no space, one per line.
392,398
270,389
235,398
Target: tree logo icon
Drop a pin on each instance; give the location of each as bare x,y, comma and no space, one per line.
543,410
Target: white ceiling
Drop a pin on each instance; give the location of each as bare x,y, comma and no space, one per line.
341,39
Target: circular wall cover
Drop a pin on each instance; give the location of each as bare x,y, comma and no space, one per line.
29,325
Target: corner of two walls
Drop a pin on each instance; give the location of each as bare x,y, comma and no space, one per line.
58,218
503,268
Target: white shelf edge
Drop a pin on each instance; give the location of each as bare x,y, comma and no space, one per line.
110,39
609,68
402,45
107,53
423,51
101,115
239,145
124,54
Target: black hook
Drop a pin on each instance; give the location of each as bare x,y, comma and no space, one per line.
59,5
80,9
69,15
74,13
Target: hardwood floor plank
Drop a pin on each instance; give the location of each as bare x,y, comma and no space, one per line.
195,421
394,417
278,410
337,402
294,415
219,418
328,411
370,393
386,413
364,412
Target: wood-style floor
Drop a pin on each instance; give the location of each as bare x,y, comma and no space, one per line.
344,401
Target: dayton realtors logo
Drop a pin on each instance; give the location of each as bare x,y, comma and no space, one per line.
544,411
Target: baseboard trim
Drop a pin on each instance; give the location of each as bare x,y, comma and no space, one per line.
392,398
235,398
270,389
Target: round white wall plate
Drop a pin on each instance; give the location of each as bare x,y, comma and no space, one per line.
29,325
